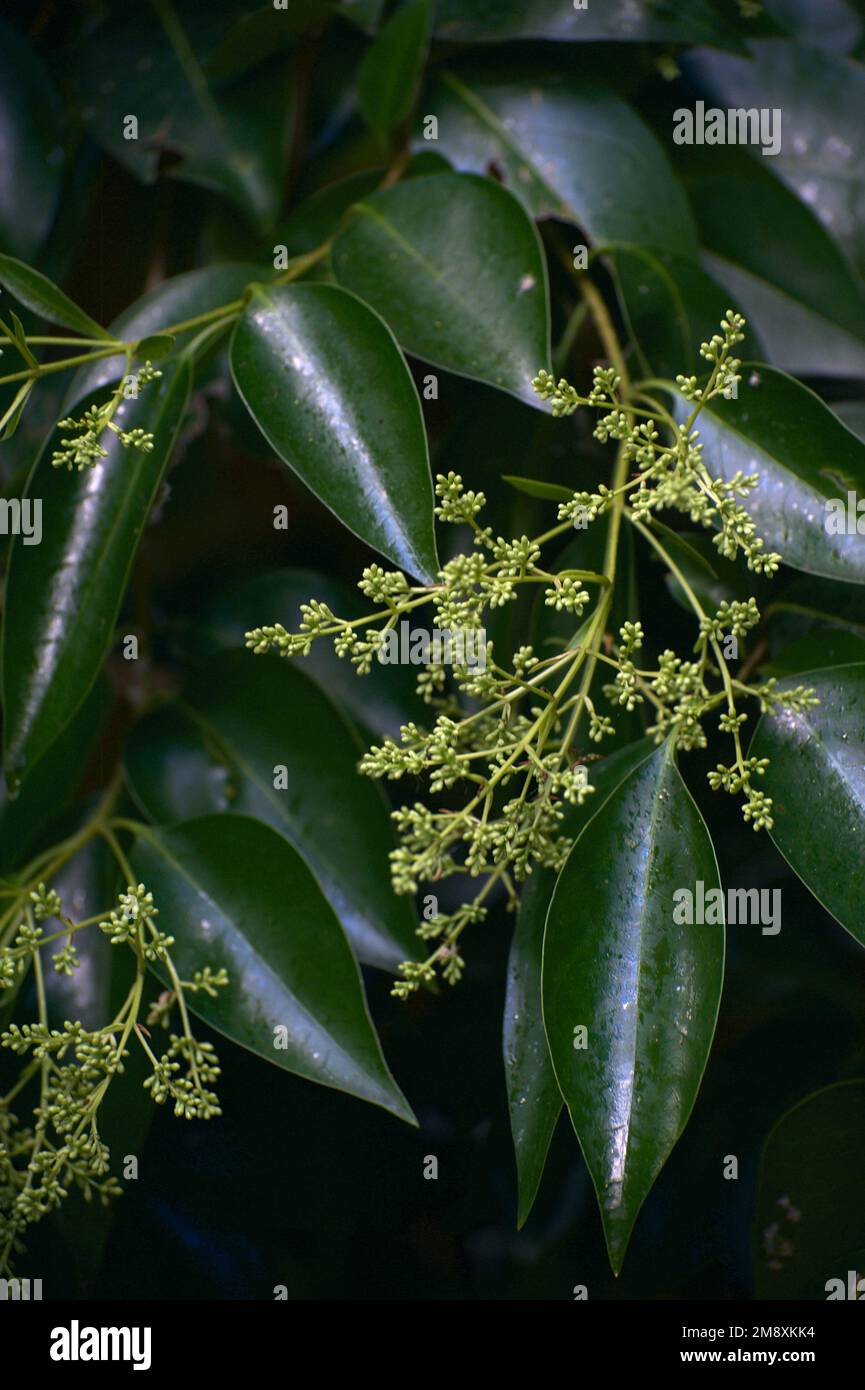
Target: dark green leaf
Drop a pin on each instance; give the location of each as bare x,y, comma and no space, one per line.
328,387
533,1095
392,66
822,155
672,306
36,292
613,179
805,457
206,754
533,487
231,888
63,596
809,1217
456,268
817,782
157,346
646,988
380,702
231,138
24,818
30,139
777,249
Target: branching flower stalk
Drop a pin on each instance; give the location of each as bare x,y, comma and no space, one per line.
72,1067
515,763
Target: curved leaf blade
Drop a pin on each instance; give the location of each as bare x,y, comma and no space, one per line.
392,65
781,261
233,892
325,382
34,290
455,267
809,1217
822,155
614,181
534,1099
205,754
646,989
817,782
27,818
805,457
63,596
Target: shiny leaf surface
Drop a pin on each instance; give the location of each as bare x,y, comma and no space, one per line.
326,384
63,596
805,457
237,895
392,66
614,180
816,778
34,290
533,1095
646,989
456,268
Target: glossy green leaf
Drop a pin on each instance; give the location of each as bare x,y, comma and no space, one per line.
534,487
235,894
31,144
328,387
809,1219
392,66
671,306
822,155
25,818
612,177
34,290
456,268
805,457
205,754
63,596
780,265
380,702
622,21
816,779
534,1098
646,988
